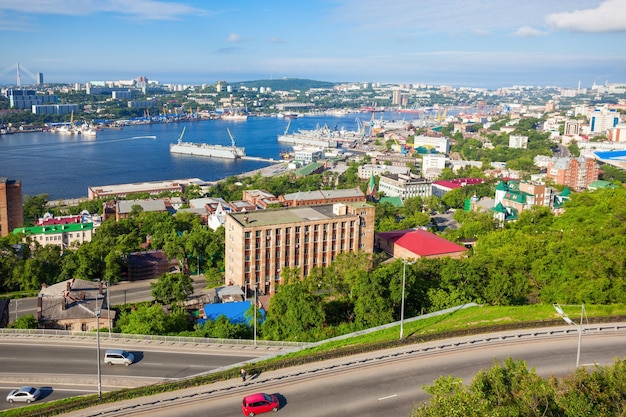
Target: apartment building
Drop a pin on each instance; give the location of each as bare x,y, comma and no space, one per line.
11,210
404,186
576,173
261,243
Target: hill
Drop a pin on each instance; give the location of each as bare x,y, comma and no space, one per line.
288,84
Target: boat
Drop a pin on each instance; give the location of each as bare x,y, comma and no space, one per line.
205,149
235,117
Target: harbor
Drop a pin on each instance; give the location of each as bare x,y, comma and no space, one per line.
64,166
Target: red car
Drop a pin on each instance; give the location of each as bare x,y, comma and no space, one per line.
259,403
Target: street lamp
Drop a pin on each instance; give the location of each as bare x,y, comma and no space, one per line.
17,303
404,262
569,321
97,314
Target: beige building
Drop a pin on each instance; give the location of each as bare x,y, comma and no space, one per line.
261,243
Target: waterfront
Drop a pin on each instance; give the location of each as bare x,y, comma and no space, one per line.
65,166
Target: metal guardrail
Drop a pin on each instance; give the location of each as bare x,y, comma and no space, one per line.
67,334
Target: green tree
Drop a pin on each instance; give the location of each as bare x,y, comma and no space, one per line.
172,288
34,207
25,322
295,312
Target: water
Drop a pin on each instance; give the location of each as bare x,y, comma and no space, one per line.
64,166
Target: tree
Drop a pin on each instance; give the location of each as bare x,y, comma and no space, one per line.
172,288
25,322
294,313
34,207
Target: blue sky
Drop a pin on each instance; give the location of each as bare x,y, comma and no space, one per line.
488,43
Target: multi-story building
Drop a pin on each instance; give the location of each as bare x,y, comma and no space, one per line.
261,243
152,187
312,198
521,195
603,119
63,235
25,99
440,144
404,186
576,173
11,210
367,170
518,141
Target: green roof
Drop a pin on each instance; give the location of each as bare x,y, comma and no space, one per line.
602,184
394,201
501,186
53,229
308,169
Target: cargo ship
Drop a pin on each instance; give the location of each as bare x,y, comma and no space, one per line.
205,149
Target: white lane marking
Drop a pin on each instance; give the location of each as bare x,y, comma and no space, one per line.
387,397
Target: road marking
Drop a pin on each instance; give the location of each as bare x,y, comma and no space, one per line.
387,397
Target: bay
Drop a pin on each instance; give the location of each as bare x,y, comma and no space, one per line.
64,166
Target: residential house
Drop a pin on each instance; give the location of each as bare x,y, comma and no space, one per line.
417,243
73,304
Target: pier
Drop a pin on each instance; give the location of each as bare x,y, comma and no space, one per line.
258,158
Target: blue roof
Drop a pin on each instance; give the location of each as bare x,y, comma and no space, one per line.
611,155
234,312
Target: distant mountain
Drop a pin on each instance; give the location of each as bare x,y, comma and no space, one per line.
287,84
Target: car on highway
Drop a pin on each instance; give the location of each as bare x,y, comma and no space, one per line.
259,403
24,395
118,357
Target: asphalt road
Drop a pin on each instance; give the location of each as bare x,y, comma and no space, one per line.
387,387
69,368
121,293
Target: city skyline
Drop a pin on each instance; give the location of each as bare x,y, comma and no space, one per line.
486,44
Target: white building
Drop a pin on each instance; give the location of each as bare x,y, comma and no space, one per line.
366,171
518,141
603,119
308,156
441,144
433,161
404,186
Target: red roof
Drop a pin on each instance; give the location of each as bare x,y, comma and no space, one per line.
421,242
459,182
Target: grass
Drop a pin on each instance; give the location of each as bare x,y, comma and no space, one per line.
472,320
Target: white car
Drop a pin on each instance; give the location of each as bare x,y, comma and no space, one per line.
24,394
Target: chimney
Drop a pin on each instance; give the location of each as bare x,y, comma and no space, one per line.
44,285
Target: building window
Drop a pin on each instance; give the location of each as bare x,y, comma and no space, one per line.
247,235
258,233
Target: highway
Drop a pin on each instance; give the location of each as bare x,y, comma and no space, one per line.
68,367
373,384
389,387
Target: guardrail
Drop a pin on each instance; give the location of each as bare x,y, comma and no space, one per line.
67,334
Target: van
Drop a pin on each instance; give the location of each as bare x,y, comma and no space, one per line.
118,357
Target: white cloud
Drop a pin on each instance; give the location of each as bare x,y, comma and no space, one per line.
527,31
234,37
610,16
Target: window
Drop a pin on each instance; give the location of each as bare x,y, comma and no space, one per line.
247,235
258,233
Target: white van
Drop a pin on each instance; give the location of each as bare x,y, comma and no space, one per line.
118,357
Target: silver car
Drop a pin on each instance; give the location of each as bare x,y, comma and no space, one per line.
24,394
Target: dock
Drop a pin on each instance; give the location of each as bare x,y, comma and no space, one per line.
258,158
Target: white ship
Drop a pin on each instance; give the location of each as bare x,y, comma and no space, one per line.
205,149
235,117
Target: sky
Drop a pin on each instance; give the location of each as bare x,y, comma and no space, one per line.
488,44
